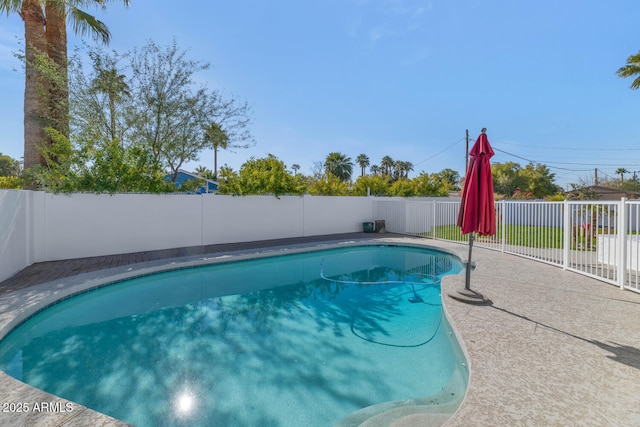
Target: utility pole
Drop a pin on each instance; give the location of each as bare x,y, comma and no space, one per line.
466,154
596,178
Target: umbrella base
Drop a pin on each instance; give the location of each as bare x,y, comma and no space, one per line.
468,296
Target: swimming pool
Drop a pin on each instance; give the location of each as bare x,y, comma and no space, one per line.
320,338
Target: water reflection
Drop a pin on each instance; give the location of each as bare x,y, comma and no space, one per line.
328,341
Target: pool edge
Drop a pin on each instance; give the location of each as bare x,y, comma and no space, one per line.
42,296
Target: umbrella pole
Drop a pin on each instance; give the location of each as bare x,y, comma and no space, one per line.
467,282
466,295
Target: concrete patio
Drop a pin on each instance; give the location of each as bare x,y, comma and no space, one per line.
553,349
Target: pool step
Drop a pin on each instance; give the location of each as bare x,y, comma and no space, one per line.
433,411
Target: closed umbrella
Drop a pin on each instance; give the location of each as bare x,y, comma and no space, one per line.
477,210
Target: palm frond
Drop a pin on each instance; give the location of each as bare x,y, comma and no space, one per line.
103,3
631,69
85,23
10,6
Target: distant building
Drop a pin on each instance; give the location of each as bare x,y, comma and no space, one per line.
209,186
608,193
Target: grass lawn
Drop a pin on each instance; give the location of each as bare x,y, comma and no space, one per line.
527,235
519,235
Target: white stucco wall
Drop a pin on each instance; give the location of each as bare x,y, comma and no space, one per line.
81,225
37,226
14,232
243,219
331,215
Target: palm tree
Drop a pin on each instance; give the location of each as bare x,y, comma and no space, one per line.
34,108
295,168
339,165
363,161
631,69
407,167
621,171
375,170
397,169
450,177
386,164
218,139
401,169
46,38
204,172
113,85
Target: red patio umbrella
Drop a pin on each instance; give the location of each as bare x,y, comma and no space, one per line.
477,212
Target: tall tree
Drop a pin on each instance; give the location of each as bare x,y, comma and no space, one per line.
169,112
506,178
57,90
621,172
101,99
46,104
229,130
34,100
9,166
150,106
632,69
363,161
386,165
204,172
407,167
401,169
113,85
339,165
538,180
510,176
451,178
216,138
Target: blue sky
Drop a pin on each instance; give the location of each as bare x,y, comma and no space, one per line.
403,78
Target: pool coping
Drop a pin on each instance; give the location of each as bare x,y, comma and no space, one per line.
19,305
555,364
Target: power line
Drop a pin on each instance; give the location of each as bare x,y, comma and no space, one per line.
550,164
605,174
539,162
441,151
571,148
564,163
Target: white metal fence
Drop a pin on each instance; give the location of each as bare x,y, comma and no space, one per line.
596,238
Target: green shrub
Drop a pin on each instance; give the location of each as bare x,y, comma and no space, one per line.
11,182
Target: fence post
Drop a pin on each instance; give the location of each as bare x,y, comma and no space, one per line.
503,224
567,229
622,242
433,220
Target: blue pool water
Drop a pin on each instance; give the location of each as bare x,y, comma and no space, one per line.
303,339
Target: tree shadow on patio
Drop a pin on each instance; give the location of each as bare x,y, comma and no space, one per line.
624,354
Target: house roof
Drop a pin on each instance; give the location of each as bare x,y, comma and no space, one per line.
193,175
604,192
